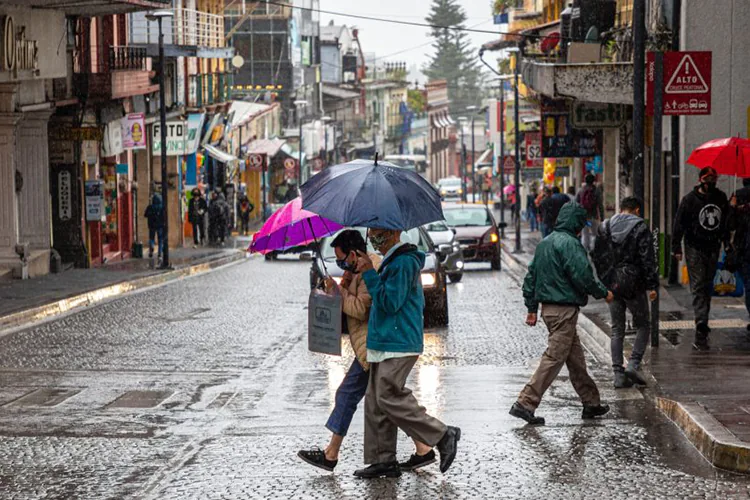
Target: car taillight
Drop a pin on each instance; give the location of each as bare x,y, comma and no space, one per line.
491,237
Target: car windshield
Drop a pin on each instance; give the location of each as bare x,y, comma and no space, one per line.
463,217
437,226
449,182
412,236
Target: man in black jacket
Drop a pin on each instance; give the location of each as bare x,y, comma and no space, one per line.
702,221
741,242
631,273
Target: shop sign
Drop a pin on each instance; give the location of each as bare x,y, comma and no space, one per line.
255,162
133,131
176,135
94,192
78,134
560,139
18,53
64,196
534,150
597,115
194,126
112,141
90,152
61,152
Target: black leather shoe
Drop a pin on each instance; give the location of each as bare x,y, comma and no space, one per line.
635,377
317,458
418,461
622,381
519,411
593,411
448,446
390,469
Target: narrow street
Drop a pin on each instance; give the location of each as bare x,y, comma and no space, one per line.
204,388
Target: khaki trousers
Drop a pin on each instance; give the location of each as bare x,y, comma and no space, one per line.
390,406
563,348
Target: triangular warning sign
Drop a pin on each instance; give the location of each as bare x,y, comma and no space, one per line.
687,79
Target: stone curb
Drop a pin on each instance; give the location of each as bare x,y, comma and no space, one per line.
719,446
47,311
714,441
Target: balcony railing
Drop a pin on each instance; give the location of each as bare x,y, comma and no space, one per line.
187,28
128,58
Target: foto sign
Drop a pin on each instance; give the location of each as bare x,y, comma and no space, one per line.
686,85
176,135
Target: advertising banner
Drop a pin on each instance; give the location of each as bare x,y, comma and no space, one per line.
133,131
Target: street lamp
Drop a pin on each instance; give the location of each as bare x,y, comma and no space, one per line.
300,103
326,120
158,16
462,121
472,109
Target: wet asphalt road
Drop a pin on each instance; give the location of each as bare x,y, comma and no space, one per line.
204,388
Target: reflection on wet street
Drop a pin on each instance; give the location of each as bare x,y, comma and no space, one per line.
216,405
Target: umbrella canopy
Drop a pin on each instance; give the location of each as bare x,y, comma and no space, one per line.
291,226
729,156
372,194
510,188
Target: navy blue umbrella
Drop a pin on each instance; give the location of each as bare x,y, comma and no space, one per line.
372,194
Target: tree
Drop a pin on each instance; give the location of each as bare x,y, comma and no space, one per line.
416,100
454,59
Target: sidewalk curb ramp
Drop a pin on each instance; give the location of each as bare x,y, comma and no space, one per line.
47,311
715,442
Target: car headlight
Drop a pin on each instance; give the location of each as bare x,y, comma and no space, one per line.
494,238
460,264
456,246
460,191
428,279
337,279
443,191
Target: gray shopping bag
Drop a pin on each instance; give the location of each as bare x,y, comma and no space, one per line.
324,323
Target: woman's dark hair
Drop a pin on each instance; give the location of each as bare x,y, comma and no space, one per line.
350,240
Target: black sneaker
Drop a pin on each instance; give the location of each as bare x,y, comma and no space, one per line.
418,461
519,411
593,411
317,458
622,381
635,377
390,469
448,447
701,345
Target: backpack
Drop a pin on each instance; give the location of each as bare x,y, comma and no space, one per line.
622,280
588,198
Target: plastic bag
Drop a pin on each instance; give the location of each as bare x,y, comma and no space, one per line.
726,283
324,315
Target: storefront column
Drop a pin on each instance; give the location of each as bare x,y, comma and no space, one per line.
8,199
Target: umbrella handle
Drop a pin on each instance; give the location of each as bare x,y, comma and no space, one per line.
322,260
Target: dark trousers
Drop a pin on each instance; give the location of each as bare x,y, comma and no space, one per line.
154,233
199,231
701,265
245,225
745,272
348,395
640,309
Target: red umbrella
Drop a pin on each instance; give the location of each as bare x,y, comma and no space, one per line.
729,156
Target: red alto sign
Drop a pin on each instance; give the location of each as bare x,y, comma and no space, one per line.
686,85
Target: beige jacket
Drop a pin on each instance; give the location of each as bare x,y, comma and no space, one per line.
356,306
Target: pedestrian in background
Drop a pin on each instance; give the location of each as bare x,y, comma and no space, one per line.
395,340
544,204
741,242
552,206
244,209
626,263
701,220
560,278
217,224
572,193
155,216
590,198
197,209
532,212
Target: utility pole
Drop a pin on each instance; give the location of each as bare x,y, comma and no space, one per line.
473,163
299,104
656,182
517,213
675,131
501,159
639,104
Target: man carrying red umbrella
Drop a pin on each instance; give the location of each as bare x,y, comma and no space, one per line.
702,221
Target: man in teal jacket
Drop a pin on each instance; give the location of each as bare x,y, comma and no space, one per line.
561,279
394,343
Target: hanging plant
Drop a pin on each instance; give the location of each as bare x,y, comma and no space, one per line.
500,6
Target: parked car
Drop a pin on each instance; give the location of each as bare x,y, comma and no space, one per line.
434,282
448,249
477,233
450,188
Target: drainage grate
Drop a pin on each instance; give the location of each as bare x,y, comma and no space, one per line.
140,399
689,325
44,397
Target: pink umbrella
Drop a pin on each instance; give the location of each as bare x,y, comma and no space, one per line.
291,226
510,188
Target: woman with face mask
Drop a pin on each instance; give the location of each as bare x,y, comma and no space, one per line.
356,302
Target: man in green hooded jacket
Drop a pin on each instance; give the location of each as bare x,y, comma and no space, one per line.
560,278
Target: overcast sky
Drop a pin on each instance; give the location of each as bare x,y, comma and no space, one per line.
387,38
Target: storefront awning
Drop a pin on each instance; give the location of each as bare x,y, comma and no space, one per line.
269,147
219,155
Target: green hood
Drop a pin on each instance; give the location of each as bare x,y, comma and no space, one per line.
572,218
